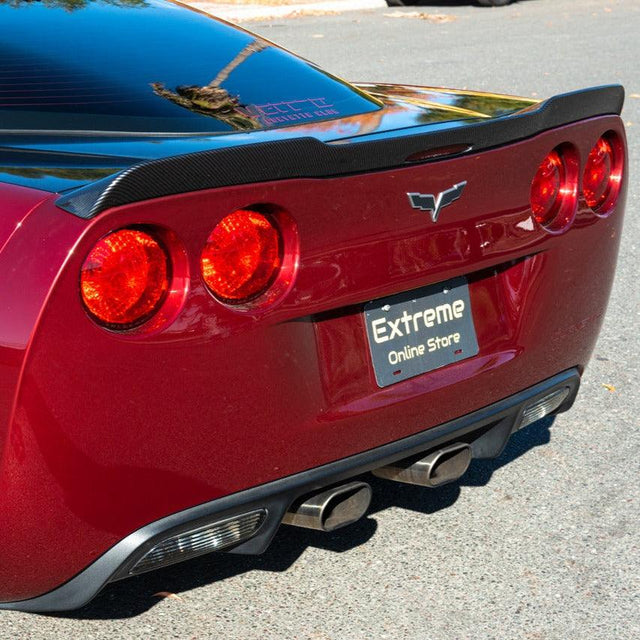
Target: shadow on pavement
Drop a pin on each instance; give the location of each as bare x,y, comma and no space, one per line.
134,596
453,3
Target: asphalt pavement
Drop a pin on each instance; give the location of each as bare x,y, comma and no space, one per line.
542,543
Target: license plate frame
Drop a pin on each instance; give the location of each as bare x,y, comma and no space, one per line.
418,331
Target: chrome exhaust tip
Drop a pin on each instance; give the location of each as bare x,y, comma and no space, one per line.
433,470
330,509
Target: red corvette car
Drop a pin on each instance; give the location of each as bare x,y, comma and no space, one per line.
233,285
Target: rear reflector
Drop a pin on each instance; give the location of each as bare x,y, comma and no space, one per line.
215,536
543,407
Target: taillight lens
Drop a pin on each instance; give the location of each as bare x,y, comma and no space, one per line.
602,174
545,188
242,256
554,190
125,278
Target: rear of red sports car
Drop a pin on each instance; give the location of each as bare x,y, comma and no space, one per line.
233,285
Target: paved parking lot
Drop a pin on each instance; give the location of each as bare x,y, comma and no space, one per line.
545,547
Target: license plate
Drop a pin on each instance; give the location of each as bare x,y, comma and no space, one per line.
417,331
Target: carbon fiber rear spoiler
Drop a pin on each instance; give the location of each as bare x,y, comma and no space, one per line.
311,158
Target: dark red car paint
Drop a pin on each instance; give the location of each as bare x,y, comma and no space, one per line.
101,433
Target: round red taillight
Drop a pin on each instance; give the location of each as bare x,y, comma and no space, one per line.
545,188
602,174
125,278
554,190
242,256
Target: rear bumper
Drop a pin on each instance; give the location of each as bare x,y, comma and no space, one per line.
486,430
217,401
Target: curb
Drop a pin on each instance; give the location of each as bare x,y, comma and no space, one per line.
252,12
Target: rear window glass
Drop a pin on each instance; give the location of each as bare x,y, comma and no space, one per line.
144,66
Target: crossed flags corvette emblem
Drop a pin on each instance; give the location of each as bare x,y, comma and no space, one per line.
435,203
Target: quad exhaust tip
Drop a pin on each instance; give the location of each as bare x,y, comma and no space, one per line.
337,507
433,470
330,509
